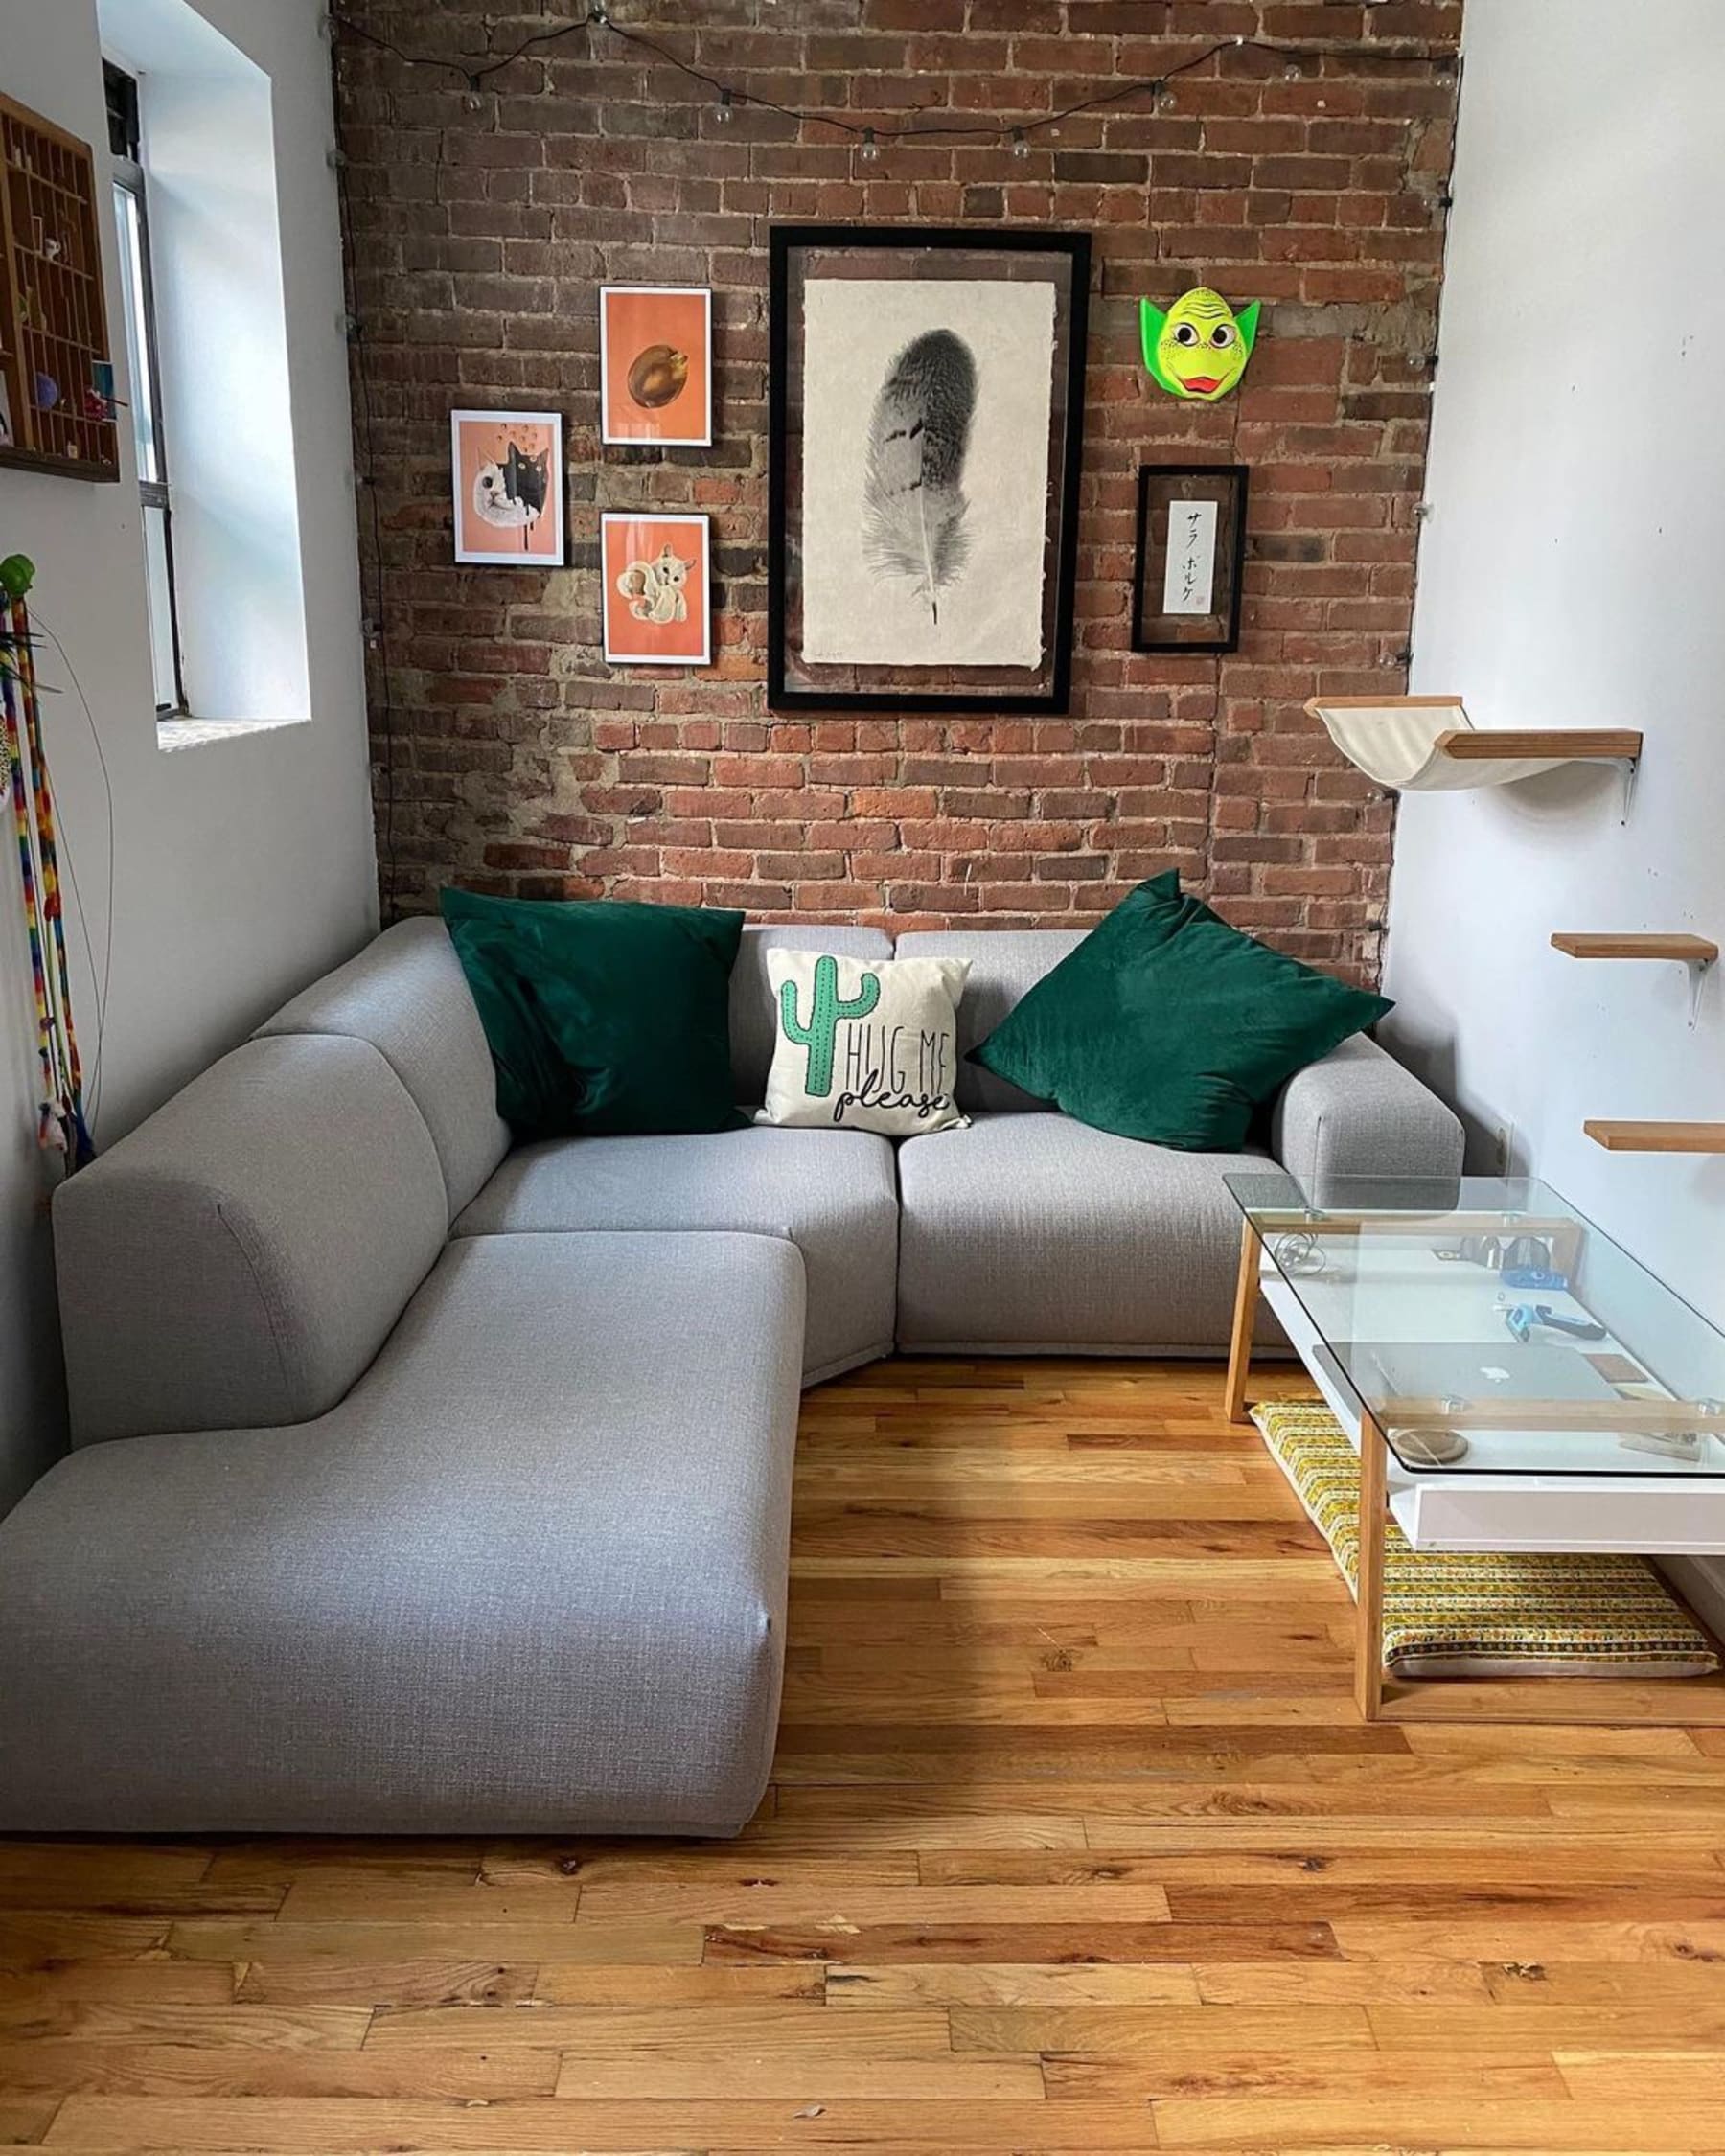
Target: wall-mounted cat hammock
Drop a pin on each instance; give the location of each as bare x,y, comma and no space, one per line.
1428,744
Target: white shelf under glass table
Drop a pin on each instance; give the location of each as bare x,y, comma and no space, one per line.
1512,1380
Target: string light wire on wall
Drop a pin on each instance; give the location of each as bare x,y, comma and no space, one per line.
476,71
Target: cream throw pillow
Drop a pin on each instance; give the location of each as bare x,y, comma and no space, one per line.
864,1043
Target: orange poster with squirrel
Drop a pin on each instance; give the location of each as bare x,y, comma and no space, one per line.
655,365
658,589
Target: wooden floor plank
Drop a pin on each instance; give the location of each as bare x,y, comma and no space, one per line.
25,2119
1075,1844
1078,1941
1324,2079
748,2027
139,2070
868,1988
400,1939
1137,2031
1435,2123
843,1909
554,2127
797,2076
323,2027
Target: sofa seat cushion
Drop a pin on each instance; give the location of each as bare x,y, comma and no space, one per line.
1034,1233
529,1576
830,1192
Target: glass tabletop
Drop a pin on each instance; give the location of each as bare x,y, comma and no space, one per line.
1489,1327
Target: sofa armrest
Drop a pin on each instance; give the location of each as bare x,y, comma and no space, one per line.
1358,1112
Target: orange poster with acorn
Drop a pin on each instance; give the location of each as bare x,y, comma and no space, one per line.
655,365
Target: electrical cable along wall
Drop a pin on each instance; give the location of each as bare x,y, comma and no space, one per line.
61,1124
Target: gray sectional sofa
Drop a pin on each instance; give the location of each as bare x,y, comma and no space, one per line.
423,1485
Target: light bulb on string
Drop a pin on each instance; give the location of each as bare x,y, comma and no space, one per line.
870,149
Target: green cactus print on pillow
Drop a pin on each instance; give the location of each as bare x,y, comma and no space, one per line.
826,1007
864,1046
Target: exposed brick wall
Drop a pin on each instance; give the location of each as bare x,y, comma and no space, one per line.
510,757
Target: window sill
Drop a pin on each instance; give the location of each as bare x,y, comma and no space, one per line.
183,731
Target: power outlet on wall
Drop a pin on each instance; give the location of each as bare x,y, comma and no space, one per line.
1502,1150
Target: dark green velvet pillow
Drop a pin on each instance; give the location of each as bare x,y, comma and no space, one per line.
604,1017
1167,1025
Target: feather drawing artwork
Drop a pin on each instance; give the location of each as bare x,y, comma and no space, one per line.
914,510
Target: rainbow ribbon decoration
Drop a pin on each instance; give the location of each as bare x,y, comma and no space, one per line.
62,1126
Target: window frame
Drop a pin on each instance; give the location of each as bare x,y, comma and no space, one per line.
126,172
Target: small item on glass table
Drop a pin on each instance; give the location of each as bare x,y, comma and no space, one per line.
1524,1261
1617,1370
1299,1253
1668,1444
1427,1448
1522,1318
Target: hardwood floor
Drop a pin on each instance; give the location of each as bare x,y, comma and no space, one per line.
1075,1843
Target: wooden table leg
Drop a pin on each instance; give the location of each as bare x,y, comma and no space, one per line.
1368,1638
1245,1310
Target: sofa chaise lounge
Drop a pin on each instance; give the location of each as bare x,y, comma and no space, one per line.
421,1484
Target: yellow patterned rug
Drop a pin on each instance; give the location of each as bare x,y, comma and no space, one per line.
1482,1614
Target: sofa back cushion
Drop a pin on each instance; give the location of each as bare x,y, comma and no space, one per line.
754,1023
238,1259
406,994
1004,964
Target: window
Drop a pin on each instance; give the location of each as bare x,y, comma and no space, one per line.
137,289
205,291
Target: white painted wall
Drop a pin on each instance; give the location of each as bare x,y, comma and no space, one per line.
241,868
1573,573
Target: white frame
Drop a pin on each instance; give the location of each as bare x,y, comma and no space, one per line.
515,558
607,595
702,441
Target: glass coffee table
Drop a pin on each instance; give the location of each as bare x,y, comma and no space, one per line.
1514,1380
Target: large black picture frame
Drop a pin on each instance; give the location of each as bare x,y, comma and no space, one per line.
1063,257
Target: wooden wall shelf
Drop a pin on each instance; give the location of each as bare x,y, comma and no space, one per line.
1658,1137
1557,744
1685,950
55,363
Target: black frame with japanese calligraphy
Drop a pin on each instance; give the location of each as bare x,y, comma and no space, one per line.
1159,487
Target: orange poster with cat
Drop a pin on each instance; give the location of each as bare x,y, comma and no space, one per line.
657,590
655,365
508,479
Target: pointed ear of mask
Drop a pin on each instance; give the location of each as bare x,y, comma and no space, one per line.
1151,321
1247,320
